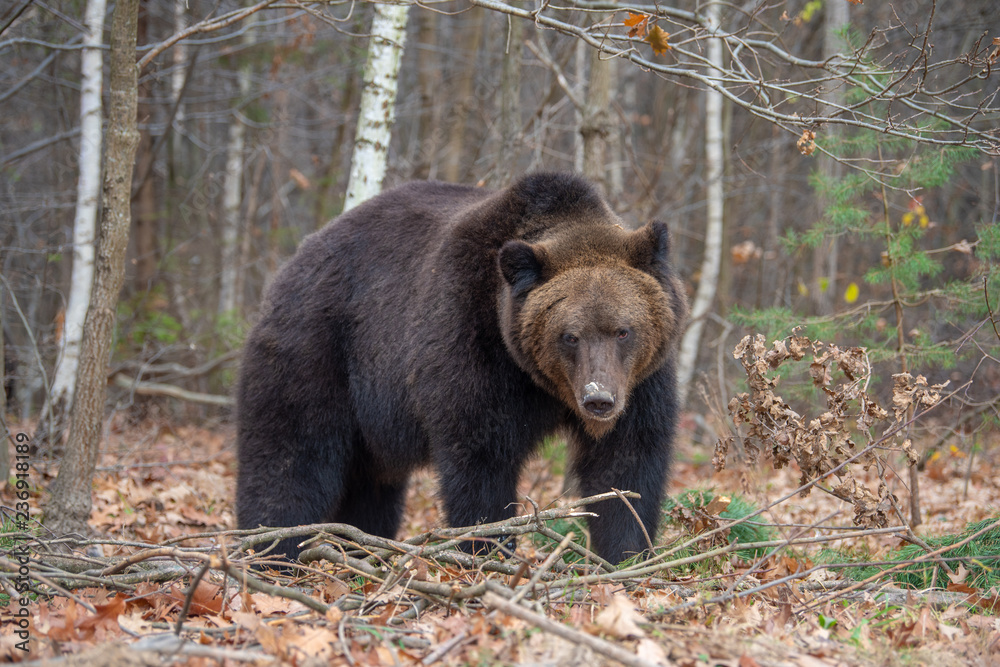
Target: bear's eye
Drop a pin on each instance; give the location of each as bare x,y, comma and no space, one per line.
570,339
623,334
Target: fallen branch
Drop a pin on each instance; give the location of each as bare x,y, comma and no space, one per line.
596,644
159,389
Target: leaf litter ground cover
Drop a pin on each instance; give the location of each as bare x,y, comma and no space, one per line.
165,579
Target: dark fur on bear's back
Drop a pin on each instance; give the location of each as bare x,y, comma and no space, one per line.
434,325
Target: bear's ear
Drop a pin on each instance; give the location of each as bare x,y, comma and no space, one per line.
521,265
652,252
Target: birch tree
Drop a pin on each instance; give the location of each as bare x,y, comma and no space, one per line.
84,223
232,191
378,104
714,195
71,502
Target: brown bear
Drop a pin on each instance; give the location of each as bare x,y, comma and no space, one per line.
454,326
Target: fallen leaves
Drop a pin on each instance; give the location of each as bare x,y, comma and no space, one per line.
658,620
620,619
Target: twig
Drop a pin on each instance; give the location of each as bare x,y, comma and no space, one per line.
160,389
989,309
12,567
546,564
146,554
256,584
645,533
443,649
928,556
34,347
345,648
208,25
601,646
170,644
189,598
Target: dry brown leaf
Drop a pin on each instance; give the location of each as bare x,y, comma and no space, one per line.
745,251
246,620
107,614
718,505
271,641
207,598
651,651
135,625
637,24
334,589
807,142
995,55
620,618
659,39
318,642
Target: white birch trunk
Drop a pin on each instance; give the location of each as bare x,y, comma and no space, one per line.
85,221
177,76
378,104
232,197
712,261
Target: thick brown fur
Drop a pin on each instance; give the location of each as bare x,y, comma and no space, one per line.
453,326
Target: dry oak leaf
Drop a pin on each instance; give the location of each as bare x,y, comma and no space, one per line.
637,24
651,651
807,142
718,505
659,40
620,619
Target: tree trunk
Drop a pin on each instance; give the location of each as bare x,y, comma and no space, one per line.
464,95
232,191
4,442
144,218
60,400
70,506
145,222
595,126
428,132
378,104
177,79
824,287
715,194
510,106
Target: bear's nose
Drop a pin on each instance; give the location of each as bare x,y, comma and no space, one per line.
599,402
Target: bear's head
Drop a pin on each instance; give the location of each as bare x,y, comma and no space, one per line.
590,311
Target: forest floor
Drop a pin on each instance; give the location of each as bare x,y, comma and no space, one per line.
158,482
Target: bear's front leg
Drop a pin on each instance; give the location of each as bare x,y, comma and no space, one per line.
615,533
479,486
634,456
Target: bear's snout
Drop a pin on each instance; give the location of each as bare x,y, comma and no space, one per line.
597,400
